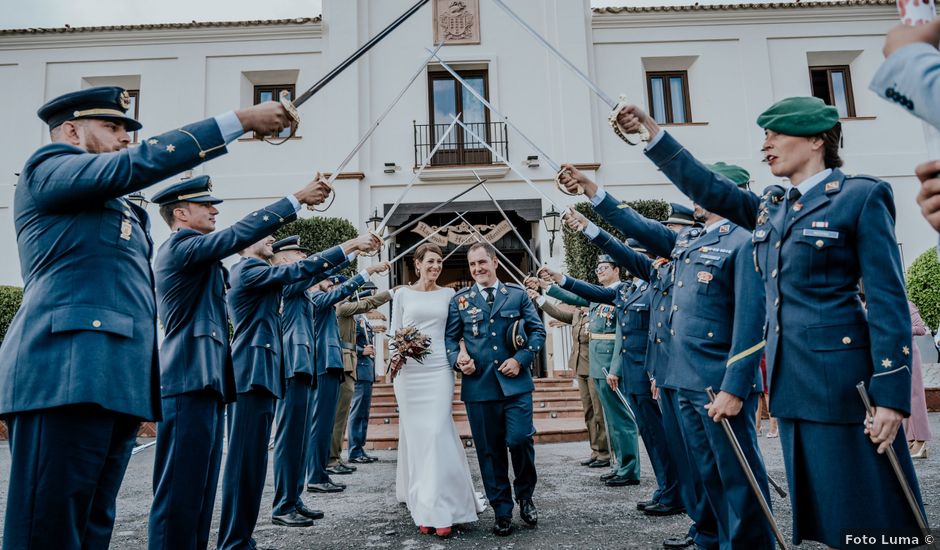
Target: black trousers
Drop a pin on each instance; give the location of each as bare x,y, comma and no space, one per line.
67,466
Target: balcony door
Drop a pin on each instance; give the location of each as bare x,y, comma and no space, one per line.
448,97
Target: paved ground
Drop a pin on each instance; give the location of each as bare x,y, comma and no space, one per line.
576,510
931,375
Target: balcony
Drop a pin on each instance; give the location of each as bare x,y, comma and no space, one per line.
460,152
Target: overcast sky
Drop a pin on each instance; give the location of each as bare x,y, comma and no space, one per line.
16,14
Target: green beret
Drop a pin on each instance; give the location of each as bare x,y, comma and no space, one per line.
799,116
735,173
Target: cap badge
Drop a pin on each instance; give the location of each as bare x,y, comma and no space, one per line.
125,100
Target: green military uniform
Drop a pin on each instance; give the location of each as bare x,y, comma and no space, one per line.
346,318
579,363
605,354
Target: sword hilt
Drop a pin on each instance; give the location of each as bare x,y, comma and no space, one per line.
643,133
558,184
294,115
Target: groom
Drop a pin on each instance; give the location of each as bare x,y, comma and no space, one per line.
497,386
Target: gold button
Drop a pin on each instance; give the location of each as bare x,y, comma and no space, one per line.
325,265
773,274
96,323
213,333
688,261
662,308
665,293
819,243
777,329
659,341
675,308
846,340
659,325
494,334
673,332
267,345
495,348
711,334
777,244
680,284
492,321
776,301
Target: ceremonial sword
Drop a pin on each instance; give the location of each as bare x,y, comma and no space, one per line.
622,398
896,466
426,238
749,473
551,163
511,225
433,210
375,125
291,106
616,106
479,237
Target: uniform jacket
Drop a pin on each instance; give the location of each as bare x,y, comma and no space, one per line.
365,365
328,348
909,78
86,330
483,328
253,303
633,318
579,360
820,341
716,314
602,320
346,318
191,286
297,325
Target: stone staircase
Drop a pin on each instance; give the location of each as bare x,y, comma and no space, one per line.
557,413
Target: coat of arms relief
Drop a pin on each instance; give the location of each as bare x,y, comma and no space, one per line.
457,21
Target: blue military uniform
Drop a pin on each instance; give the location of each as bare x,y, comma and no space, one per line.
362,397
499,408
633,315
253,304
328,360
659,275
79,365
196,373
820,340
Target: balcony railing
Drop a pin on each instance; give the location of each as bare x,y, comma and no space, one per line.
460,149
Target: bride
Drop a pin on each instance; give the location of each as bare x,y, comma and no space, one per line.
433,476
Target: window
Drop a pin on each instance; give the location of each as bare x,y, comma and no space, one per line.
134,109
833,85
669,97
273,93
447,98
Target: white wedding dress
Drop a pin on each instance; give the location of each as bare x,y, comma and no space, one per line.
433,476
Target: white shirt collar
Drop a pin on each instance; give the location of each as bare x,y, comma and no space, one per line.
495,288
614,284
813,181
715,225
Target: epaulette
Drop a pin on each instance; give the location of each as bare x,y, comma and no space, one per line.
515,285
463,290
864,177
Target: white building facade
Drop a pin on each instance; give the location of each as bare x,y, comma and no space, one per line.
709,70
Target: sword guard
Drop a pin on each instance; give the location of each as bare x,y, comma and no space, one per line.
379,237
563,189
294,116
643,134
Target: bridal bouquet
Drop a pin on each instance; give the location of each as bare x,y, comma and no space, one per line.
408,343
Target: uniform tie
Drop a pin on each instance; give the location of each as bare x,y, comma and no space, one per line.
490,294
793,195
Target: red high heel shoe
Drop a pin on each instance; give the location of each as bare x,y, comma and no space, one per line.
444,532
425,530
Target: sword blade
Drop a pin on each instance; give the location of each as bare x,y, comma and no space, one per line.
554,165
623,399
357,54
426,238
512,227
749,473
505,161
378,121
480,238
584,78
431,211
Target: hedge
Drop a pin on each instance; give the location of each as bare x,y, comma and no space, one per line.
10,299
581,255
923,286
320,233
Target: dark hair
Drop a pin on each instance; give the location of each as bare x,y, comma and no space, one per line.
490,249
166,212
423,250
832,141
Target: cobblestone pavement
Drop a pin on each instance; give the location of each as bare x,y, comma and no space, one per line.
576,510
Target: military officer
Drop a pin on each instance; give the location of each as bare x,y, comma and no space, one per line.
291,413
196,376
659,274
813,241
330,372
70,401
497,386
346,313
579,363
253,304
605,349
362,397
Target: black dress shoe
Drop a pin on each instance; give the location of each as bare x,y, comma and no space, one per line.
644,504
588,461
308,512
679,542
599,464
327,487
608,475
527,511
620,481
340,470
659,509
502,527
292,519
364,460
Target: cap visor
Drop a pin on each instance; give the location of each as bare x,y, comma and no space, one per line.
207,199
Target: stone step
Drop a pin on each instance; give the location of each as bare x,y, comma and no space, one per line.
461,414
554,430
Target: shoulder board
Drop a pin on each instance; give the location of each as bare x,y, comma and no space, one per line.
515,285
864,177
463,290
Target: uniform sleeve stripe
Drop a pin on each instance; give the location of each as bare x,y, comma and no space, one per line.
746,353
